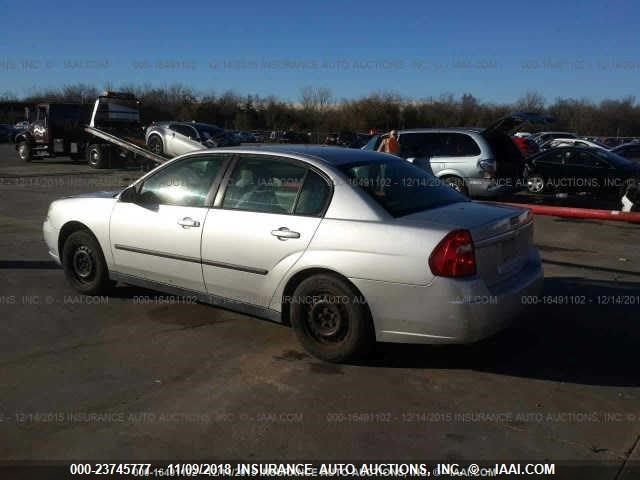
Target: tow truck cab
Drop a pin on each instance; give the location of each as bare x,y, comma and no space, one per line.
56,129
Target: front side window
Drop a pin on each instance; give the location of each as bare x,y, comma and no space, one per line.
264,184
184,183
400,187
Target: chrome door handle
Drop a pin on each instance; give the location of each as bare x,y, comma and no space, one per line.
284,233
188,222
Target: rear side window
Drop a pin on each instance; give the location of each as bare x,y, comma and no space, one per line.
263,184
438,144
400,187
458,145
313,196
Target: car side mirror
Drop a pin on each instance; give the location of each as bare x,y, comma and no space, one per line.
129,195
148,199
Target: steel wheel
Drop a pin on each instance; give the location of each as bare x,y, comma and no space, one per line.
331,319
326,320
84,263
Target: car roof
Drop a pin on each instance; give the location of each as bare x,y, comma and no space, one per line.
326,153
445,129
554,133
628,144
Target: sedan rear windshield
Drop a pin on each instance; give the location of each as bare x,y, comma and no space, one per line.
613,158
400,187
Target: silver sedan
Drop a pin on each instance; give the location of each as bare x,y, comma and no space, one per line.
177,138
347,246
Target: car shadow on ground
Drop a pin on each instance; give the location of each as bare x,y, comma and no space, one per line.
594,342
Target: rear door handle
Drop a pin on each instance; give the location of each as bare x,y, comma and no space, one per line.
188,222
283,233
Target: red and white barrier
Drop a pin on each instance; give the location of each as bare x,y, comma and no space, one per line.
583,213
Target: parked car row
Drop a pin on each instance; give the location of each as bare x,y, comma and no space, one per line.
7,132
347,139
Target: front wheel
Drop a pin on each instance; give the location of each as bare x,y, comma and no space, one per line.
24,151
155,145
331,319
457,183
84,264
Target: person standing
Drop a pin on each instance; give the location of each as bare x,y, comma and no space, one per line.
390,144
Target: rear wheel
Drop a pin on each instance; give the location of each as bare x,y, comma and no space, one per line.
155,145
24,151
331,319
84,264
457,183
535,183
96,157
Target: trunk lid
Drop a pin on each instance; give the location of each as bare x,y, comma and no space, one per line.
510,164
502,235
514,120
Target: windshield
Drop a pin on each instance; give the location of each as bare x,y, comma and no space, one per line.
400,187
207,132
613,158
372,144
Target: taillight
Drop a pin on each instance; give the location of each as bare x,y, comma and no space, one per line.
488,167
454,256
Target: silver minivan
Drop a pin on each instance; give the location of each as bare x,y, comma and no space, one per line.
477,162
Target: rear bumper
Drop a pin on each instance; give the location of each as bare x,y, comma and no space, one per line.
450,310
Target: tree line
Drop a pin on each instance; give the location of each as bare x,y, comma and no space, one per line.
317,109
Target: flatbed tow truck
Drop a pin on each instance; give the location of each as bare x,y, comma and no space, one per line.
108,135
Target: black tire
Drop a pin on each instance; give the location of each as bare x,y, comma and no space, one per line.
457,183
96,157
331,319
155,145
24,151
84,264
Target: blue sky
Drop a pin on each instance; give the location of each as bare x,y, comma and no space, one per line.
494,50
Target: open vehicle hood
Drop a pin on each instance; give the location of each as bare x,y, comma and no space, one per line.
514,120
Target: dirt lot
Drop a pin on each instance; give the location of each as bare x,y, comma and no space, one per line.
131,378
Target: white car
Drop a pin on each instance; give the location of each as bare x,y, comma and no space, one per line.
348,246
572,142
